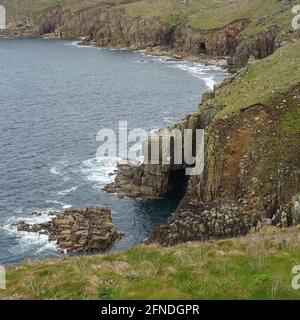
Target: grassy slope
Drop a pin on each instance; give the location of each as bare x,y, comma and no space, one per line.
201,14
29,8
264,80
254,267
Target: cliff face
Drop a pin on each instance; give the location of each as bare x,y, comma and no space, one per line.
260,46
246,183
108,25
215,42
252,168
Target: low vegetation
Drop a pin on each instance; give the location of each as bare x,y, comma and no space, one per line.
213,14
262,82
254,267
200,14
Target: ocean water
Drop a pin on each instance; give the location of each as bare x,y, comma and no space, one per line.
54,98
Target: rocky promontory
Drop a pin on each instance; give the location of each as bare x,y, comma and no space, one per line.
78,230
251,176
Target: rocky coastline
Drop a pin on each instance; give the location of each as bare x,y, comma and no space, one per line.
88,230
109,26
240,189
238,192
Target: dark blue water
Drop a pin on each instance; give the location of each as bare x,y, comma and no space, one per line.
54,97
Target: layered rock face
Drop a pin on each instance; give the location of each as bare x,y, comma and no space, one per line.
260,46
78,230
245,185
107,25
214,42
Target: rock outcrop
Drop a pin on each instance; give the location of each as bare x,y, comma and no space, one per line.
246,184
259,46
108,25
78,230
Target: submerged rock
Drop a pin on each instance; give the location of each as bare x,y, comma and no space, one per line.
78,230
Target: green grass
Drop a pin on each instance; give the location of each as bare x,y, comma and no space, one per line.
265,80
254,267
17,9
200,14
290,123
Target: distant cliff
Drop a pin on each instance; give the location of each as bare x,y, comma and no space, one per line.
115,25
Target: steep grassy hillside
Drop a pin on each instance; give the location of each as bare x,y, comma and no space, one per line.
255,267
200,14
263,81
212,14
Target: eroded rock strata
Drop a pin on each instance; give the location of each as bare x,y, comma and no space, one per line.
247,182
107,25
78,230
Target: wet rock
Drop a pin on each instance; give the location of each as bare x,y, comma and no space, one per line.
78,230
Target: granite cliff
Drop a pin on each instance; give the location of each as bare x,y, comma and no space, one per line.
114,24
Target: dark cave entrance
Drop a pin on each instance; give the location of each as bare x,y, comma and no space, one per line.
178,181
47,28
202,48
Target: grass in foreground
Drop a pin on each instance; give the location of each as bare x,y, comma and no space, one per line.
254,267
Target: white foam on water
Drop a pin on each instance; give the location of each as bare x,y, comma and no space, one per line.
196,69
61,169
55,202
78,44
67,206
55,171
27,240
100,170
67,191
210,83
62,205
42,216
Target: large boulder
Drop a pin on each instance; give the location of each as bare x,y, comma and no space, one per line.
78,230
